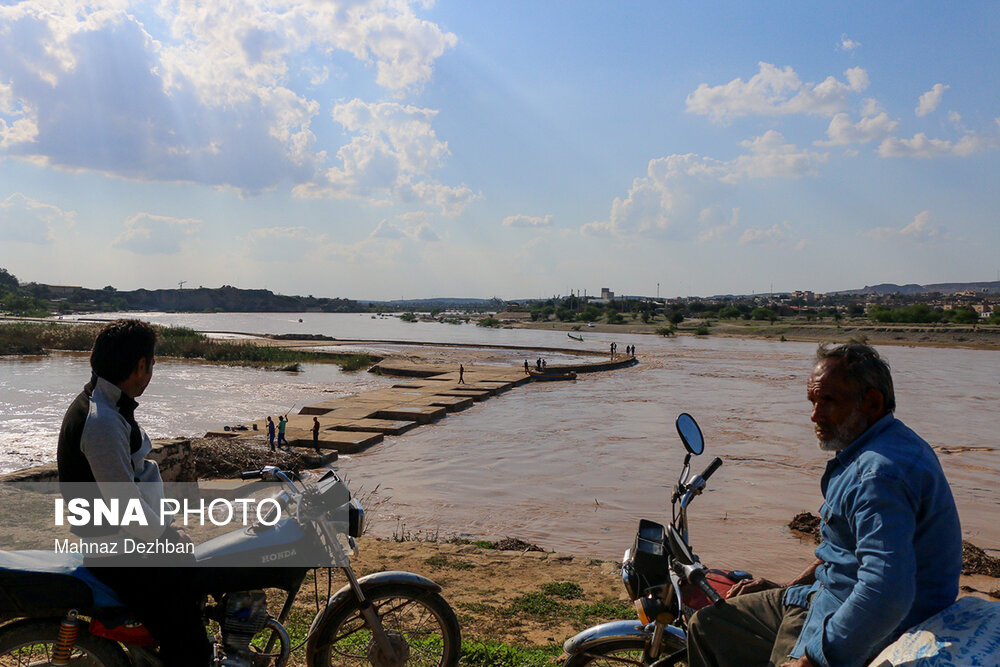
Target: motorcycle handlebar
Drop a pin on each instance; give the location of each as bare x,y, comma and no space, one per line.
712,467
251,474
698,578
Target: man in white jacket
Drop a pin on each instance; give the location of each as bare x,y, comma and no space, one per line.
102,450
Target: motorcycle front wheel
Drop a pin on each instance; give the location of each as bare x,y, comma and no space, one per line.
617,653
421,626
32,642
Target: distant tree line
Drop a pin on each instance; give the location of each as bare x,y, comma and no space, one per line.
39,300
618,311
922,313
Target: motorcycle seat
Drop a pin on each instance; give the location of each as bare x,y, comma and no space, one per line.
36,582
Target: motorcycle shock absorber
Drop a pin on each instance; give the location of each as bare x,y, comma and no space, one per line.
66,639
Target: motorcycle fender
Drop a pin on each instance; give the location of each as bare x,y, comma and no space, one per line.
605,632
614,631
345,595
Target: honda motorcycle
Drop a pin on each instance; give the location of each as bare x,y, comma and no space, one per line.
58,613
664,579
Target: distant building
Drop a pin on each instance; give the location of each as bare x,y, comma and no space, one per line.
607,294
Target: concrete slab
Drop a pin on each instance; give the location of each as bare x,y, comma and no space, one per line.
353,412
452,403
344,442
323,407
467,393
383,426
421,414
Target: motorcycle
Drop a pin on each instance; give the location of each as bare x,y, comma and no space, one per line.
664,579
56,612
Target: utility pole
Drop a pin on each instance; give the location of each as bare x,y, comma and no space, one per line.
180,285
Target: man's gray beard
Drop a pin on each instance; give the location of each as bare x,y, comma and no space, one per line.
845,433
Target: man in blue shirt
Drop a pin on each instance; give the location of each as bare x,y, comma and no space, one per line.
891,552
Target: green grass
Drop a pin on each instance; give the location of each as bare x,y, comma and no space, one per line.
440,561
566,590
477,653
179,342
550,601
37,337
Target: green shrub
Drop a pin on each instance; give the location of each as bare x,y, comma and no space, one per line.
567,590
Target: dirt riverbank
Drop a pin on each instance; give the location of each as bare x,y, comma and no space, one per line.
512,595
982,337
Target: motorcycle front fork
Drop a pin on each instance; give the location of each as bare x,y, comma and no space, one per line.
656,646
371,618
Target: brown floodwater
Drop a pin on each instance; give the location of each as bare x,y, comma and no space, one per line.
573,467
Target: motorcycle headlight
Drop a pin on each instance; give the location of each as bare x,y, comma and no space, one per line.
651,608
356,520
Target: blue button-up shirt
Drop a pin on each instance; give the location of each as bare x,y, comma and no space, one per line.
891,549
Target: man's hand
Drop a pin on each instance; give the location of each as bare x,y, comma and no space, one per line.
804,661
751,586
177,534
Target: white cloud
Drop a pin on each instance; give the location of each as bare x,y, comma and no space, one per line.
527,221
147,234
387,230
714,228
842,131
773,235
426,234
922,147
273,233
418,232
930,100
28,221
870,107
858,79
391,154
775,92
770,157
779,236
848,44
919,229
198,94
675,188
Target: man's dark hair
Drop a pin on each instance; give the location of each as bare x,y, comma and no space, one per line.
119,347
864,367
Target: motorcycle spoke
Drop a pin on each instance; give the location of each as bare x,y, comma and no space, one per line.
411,626
39,655
613,660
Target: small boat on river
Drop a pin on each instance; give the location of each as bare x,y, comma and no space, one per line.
553,374
575,337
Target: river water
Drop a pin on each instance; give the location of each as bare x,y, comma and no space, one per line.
570,466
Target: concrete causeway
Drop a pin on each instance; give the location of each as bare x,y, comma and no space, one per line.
429,392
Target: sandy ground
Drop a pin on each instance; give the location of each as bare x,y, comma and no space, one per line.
508,596
984,337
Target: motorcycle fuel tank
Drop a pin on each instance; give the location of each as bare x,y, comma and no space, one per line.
253,546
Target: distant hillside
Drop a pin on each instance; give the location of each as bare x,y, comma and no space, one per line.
202,299
992,287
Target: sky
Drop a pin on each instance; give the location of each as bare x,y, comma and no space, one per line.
384,149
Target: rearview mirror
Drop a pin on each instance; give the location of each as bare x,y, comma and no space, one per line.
690,433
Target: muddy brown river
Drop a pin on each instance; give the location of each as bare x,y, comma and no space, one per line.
574,466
